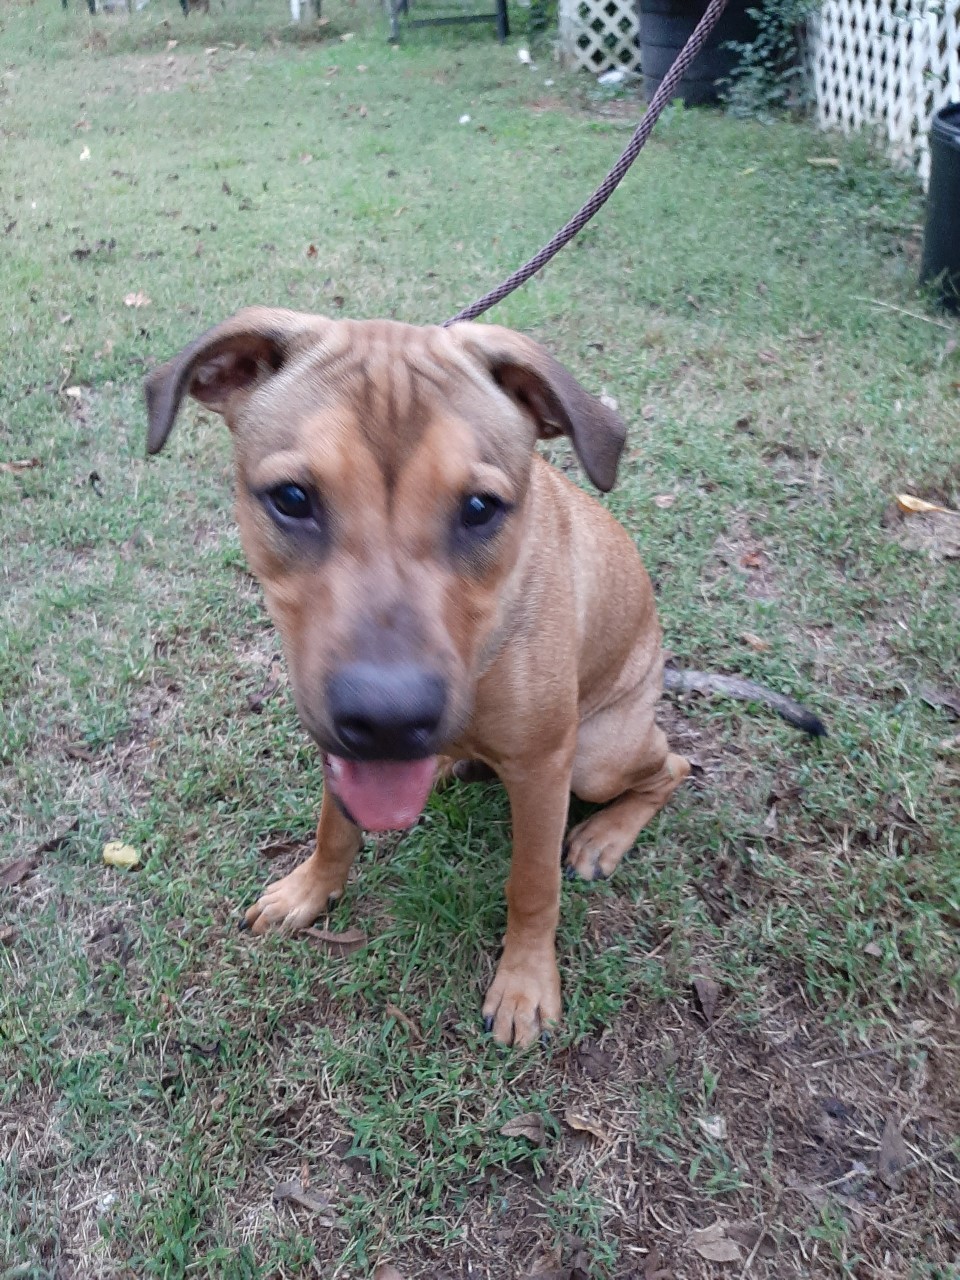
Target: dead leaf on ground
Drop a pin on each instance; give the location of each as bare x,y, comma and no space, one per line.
59,840
15,872
653,1268
7,934
664,500
337,944
529,1125
751,1237
118,854
893,1156
707,994
311,250
584,1124
824,162
939,698
386,1271
277,848
137,299
294,1192
256,701
755,642
809,1190
393,1011
714,1244
919,506
593,1061
22,464
713,1126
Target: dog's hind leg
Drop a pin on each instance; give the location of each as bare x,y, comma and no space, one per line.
623,760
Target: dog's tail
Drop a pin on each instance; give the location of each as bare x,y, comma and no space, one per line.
683,681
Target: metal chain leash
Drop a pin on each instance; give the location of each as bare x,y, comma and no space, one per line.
610,183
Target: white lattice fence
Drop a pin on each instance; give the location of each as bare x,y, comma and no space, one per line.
877,64
598,34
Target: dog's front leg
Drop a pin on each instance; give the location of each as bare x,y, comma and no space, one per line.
307,892
524,999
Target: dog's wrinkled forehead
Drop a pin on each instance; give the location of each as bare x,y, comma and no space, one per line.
386,393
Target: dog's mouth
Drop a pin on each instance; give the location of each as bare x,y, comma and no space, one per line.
381,795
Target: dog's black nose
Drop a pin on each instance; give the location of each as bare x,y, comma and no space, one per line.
389,712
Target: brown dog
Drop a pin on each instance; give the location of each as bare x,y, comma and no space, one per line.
440,589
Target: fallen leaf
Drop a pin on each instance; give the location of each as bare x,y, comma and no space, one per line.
919,506
337,944
74,393
749,1236
7,934
294,1192
386,1271
648,411
713,1126
755,642
256,701
873,949
118,854
939,698
583,1124
707,993
23,464
752,560
277,848
609,402
893,1155
57,841
529,1125
653,1268
824,162
393,1011
714,1244
311,250
306,158
138,299
664,500
592,1061
85,153
13,873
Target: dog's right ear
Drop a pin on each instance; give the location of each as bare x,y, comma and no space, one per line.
226,361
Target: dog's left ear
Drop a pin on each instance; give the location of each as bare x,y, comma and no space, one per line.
553,398
226,363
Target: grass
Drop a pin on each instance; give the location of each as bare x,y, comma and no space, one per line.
161,1073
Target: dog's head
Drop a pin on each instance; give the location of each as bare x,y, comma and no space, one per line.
382,477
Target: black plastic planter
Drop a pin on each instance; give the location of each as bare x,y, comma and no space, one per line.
941,237
665,27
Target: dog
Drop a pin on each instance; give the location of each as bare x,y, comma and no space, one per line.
447,600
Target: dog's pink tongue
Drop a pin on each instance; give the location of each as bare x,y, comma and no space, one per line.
383,795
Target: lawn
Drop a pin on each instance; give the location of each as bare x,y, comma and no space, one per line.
761,1008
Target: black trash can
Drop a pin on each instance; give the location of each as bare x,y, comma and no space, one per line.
665,27
941,237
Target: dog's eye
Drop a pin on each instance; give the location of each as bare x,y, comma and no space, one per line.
482,511
291,502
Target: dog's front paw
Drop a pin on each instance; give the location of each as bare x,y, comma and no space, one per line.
523,1002
294,902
